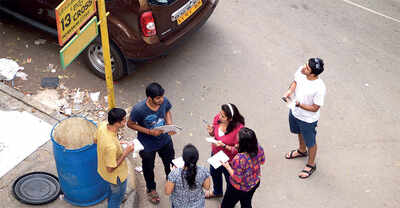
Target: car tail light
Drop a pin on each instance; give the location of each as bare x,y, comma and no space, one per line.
148,24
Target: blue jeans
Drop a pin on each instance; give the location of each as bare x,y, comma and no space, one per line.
117,192
216,175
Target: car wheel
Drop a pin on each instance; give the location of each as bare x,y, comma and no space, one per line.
94,59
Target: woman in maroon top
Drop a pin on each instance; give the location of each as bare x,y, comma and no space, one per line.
225,129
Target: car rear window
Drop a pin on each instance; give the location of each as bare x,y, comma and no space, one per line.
161,2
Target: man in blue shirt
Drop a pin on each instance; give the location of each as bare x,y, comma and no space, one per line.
144,118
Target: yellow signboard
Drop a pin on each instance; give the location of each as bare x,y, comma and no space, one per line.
74,47
71,15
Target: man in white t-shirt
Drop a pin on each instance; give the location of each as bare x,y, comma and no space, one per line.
307,91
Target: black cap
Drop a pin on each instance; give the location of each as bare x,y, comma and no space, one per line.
316,65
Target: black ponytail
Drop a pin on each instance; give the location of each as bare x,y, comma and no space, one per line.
190,156
190,175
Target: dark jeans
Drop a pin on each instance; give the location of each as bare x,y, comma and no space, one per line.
216,175
233,196
166,153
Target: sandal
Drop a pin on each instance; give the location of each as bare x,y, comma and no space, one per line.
153,197
309,172
300,154
211,195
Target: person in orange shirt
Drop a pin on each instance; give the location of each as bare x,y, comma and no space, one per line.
112,166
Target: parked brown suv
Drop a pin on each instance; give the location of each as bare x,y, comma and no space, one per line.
138,29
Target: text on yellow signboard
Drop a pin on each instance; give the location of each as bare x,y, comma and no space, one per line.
71,15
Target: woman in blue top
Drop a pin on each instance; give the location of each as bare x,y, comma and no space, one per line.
185,185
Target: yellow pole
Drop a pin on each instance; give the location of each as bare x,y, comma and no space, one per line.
106,53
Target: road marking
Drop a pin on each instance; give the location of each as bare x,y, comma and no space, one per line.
372,11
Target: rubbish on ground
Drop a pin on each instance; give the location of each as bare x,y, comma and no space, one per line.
79,102
139,169
50,67
101,114
40,41
53,71
50,82
94,96
22,75
78,98
48,97
68,111
28,60
8,69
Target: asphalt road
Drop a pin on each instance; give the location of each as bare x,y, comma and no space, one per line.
246,54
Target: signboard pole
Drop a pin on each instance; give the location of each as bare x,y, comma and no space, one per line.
106,53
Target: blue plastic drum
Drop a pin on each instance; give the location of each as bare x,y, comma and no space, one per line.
77,174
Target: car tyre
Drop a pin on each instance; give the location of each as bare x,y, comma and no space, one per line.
94,59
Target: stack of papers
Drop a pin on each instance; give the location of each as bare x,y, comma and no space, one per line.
217,159
169,128
178,162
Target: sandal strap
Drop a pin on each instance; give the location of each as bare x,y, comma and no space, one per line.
302,153
291,153
312,167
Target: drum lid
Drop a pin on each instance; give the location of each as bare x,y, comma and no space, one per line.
36,188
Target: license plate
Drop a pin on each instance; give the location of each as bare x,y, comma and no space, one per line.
188,12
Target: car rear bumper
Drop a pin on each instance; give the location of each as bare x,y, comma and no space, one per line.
149,51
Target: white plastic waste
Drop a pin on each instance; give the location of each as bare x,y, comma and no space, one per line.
8,69
22,75
94,96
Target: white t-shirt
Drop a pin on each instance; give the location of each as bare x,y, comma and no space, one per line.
308,92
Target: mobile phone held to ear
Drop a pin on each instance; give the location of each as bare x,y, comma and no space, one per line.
284,99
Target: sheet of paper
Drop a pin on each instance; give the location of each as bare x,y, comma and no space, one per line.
211,140
291,103
137,145
216,159
178,162
169,128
